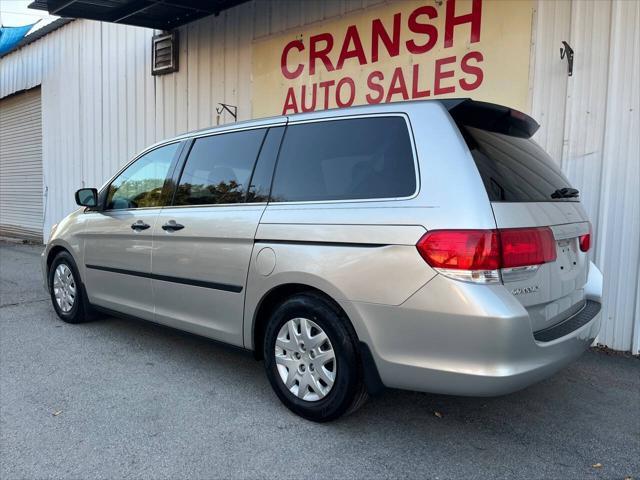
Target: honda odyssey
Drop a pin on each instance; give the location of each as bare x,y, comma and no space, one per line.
429,246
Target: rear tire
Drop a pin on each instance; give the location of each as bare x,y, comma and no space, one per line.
309,387
66,290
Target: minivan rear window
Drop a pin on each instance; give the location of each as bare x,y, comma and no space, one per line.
515,169
360,158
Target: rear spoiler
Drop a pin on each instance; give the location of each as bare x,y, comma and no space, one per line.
491,117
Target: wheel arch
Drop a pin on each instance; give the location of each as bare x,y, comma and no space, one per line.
53,252
54,248
274,297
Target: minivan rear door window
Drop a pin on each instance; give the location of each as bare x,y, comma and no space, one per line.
218,168
260,185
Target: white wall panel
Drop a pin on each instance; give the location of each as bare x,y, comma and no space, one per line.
590,126
618,245
101,105
549,74
582,154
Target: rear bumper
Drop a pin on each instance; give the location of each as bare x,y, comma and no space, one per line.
460,338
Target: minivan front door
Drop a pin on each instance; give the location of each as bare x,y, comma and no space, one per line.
202,243
118,238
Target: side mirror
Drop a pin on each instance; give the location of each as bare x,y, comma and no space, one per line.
87,197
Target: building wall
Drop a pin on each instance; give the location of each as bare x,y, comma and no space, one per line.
101,105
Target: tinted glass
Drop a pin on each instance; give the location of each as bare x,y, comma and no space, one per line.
345,159
218,168
263,172
140,185
514,169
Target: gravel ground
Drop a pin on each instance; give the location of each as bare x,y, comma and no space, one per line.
120,398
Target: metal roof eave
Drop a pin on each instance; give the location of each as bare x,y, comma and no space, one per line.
156,14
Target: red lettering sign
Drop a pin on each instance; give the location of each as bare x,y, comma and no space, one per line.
421,78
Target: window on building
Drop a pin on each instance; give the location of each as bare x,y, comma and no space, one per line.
364,158
218,168
140,185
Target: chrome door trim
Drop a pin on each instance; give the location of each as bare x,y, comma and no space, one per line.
216,205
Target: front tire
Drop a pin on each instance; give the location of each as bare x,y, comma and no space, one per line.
66,289
312,360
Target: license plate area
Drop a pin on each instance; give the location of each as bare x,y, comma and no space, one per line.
567,255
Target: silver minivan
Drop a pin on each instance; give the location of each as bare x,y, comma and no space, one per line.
428,246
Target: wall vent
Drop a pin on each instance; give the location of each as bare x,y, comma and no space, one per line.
164,53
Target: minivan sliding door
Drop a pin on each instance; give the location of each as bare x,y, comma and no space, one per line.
203,241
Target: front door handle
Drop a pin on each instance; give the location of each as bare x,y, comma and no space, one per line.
172,226
139,225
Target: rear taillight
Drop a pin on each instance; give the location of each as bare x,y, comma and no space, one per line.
461,249
477,255
585,241
522,247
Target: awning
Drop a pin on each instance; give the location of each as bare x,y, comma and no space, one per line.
158,14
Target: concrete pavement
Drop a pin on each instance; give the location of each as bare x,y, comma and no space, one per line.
120,399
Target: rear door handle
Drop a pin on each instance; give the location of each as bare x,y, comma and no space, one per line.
172,226
139,225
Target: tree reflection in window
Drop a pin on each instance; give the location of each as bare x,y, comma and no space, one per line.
141,184
136,193
218,168
201,194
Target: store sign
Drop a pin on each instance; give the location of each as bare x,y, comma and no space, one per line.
409,50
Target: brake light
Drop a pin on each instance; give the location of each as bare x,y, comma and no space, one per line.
585,241
522,247
487,250
461,249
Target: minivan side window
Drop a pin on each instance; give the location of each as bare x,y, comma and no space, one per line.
361,158
140,184
263,171
219,168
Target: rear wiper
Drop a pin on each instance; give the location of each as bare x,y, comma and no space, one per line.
565,193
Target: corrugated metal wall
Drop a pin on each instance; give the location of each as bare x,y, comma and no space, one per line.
101,105
591,125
